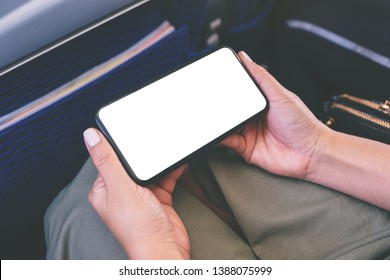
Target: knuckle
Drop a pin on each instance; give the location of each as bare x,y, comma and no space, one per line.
95,195
103,159
91,197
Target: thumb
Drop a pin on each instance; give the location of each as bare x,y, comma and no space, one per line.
105,159
269,85
98,195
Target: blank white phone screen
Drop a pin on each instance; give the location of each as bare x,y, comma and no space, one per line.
164,122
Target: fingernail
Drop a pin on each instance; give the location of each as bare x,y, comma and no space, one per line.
246,56
91,137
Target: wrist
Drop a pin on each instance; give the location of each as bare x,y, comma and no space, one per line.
319,152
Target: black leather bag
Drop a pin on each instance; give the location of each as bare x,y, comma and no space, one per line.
360,117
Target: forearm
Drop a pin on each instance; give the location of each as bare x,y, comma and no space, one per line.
355,166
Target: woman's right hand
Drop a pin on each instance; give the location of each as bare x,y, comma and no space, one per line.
286,139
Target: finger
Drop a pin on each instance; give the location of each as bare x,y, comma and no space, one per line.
270,86
105,159
236,142
175,175
168,182
164,188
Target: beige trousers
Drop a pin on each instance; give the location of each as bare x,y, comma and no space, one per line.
263,217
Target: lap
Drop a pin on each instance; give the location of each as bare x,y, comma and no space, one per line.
280,218
284,218
74,230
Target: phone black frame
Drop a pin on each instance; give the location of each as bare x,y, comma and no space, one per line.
186,159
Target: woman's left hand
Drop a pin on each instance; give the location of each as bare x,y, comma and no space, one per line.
141,218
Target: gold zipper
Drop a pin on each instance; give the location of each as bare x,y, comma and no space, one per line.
382,107
385,107
362,115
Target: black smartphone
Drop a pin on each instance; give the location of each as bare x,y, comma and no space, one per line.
160,126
